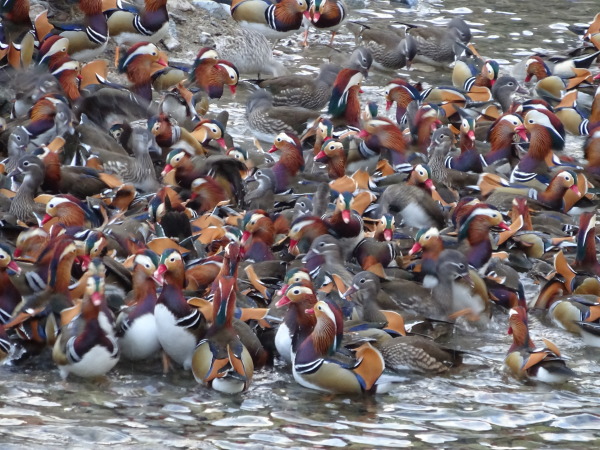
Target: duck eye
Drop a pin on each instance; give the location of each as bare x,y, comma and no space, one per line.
530,121
461,266
567,177
510,83
18,138
320,308
322,244
362,281
172,259
1,256
296,291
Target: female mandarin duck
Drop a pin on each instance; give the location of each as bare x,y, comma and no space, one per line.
412,206
139,62
136,325
297,324
211,74
179,325
9,295
86,40
314,367
22,206
129,25
274,20
221,360
525,361
325,15
83,347
390,50
439,46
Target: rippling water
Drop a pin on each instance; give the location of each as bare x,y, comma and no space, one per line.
476,407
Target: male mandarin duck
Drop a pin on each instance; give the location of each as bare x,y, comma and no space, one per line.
69,212
553,197
67,72
179,325
169,134
136,325
129,25
469,159
428,241
466,75
325,15
211,74
83,347
258,236
314,365
390,50
225,170
221,360
382,136
274,20
16,33
544,137
139,62
525,361
334,155
9,295
344,104
345,223
303,231
290,162
52,49
267,120
86,40
501,136
474,228
423,123
403,93
297,324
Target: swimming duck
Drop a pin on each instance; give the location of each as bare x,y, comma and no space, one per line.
525,361
83,347
136,325
221,360
180,326
438,45
313,369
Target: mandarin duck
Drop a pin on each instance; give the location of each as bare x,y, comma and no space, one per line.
274,20
325,15
297,324
16,34
180,326
83,347
263,194
382,136
87,39
504,90
428,241
411,206
440,46
552,197
136,324
403,93
390,50
139,62
129,25
137,170
22,205
501,136
334,155
344,105
345,223
221,360
267,120
314,366
459,292
526,361
211,74
304,230
9,294
291,161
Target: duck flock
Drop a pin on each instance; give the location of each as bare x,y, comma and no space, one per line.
133,226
